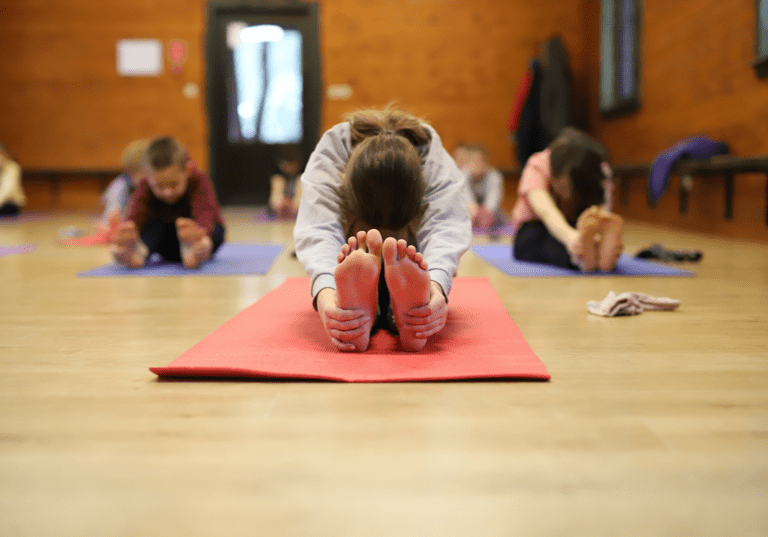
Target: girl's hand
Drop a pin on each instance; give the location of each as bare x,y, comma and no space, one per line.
342,326
428,320
574,247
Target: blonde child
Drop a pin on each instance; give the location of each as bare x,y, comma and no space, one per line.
460,155
174,212
12,197
115,197
562,214
378,187
485,189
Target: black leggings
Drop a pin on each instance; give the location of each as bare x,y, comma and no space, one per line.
385,316
10,209
161,239
533,242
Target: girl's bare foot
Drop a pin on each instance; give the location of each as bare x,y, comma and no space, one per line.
126,245
357,279
611,242
195,244
588,227
408,282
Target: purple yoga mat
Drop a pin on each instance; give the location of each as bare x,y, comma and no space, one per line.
506,230
18,249
263,217
232,259
23,217
500,256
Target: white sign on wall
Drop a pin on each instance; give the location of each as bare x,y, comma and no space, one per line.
140,57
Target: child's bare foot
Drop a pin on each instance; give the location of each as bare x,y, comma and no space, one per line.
408,282
357,279
611,241
126,245
196,245
588,227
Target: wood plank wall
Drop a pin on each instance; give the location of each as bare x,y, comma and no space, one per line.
696,80
455,62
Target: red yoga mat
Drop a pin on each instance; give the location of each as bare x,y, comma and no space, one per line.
281,336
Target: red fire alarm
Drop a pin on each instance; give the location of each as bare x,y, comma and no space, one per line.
177,55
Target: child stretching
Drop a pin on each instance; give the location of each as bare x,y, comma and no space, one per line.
562,214
12,197
376,188
115,197
285,190
173,212
485,189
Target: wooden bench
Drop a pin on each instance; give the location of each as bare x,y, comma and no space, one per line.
723,165
54,176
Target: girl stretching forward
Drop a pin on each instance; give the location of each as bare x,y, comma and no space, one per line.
562,214
378,187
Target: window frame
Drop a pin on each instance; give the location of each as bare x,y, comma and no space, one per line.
760,63
612,102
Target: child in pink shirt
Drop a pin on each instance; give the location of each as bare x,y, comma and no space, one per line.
562,214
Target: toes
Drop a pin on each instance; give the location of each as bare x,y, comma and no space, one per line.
352,243
389,251
402,249
374,240
418,258
362,240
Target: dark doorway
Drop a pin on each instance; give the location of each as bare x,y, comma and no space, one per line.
262,91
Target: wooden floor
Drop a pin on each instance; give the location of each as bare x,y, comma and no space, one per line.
651,425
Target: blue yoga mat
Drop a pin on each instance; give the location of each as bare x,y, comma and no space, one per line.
232,259
19,249
500,256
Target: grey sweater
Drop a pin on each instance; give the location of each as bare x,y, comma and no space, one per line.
444,232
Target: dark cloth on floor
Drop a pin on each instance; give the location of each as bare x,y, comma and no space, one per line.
534,242
658,252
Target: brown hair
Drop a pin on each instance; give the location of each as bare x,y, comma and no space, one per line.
133,156
165,151
384,186
578,156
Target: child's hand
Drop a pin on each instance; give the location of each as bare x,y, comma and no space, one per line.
574,247
342,326
428,320
126,246
112,224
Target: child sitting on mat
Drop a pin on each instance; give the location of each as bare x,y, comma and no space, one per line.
174,212
562,214
485,189
383,180
12,197
115,197
285,189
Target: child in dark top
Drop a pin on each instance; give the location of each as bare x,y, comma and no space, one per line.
285,188
174,212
